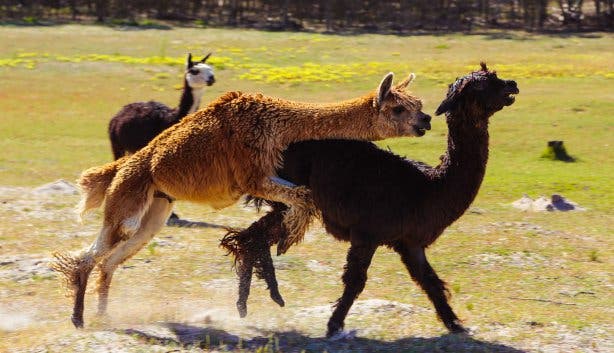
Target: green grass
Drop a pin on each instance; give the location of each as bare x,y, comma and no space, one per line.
60,85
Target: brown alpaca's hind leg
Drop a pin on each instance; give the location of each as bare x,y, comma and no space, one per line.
126,203
76,270
354,278
421,271
153,220
297,217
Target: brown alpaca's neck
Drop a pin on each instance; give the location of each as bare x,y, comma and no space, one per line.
458,178
351,119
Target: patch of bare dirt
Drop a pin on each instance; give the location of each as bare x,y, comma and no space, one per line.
25,267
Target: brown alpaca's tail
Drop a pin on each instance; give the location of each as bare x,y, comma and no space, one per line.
94,183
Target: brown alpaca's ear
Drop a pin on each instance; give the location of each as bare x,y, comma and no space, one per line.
384,89
188,61
403,85
205,58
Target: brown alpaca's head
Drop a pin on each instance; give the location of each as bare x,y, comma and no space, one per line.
398,112
479,95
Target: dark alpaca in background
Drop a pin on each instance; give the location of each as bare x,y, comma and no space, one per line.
371,197
138,123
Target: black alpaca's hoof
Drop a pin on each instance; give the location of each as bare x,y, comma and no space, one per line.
278,299
333,329
456,328
78,322
242,308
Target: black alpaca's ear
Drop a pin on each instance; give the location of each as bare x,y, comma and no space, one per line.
384,89
188,61
205,58
446,105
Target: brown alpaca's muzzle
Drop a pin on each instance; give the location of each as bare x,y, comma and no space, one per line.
423,123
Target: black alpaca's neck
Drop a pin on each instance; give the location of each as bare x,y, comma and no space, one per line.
459,176
189,102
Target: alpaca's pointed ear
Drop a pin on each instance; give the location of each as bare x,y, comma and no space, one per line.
188,61
446,105
205,58
403,85
384,88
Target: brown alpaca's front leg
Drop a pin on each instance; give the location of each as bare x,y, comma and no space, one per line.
297,217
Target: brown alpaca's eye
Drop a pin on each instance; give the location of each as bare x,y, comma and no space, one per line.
398,109
194,71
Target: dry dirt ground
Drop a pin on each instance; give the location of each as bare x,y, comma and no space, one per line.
178,295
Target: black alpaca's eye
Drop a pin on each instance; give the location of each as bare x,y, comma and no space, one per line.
194,71
398,109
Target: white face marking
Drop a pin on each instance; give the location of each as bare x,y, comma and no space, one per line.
200,75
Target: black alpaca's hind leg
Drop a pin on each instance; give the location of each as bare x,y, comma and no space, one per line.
354,278
421,271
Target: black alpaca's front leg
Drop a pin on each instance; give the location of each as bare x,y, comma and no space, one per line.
354,278
267,272
421,271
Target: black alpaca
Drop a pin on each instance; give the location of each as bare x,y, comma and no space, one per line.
371,197
138,123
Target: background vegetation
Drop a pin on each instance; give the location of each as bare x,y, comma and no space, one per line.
330,15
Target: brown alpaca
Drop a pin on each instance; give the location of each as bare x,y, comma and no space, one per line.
228,149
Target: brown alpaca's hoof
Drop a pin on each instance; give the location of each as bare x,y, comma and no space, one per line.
78,322
242,308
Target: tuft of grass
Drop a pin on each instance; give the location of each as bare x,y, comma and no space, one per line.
593,255
151,248
555,151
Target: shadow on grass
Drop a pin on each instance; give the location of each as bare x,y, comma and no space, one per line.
183,335
184,223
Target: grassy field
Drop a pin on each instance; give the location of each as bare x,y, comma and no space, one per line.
522,281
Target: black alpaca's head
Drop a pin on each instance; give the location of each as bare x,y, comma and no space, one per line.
198,74
481,94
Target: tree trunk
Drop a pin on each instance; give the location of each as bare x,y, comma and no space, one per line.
101,9
329,16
